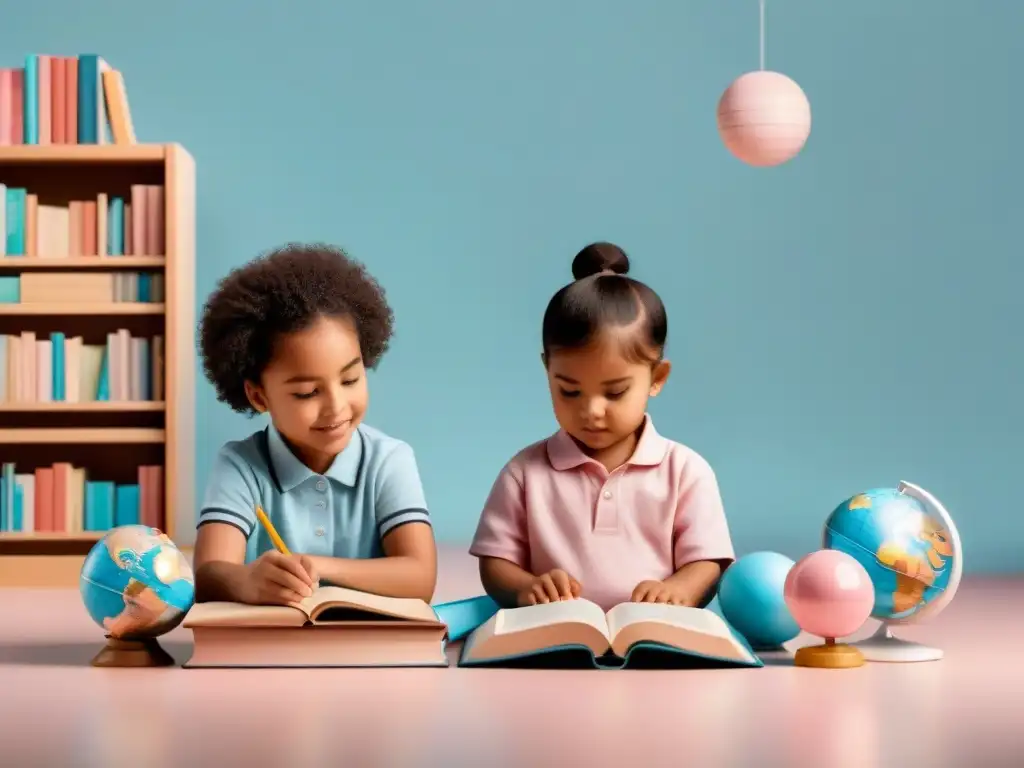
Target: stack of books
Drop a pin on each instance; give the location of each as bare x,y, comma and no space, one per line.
63,368
62,499
79,288
106,226
64,100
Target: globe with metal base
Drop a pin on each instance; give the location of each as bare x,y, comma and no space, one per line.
909,545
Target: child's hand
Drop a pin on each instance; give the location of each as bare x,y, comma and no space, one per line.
550,587
659,592
277,579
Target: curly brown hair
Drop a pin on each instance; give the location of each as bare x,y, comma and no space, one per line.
281,292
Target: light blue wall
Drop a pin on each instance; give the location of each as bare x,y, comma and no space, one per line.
838,323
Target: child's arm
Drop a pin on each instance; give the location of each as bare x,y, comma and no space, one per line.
408,568
226,520
701,545
502,543
504,581
409,565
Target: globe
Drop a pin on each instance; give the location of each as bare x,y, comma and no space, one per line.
907,543
136,585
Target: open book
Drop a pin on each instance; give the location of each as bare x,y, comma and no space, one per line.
630,634
334,627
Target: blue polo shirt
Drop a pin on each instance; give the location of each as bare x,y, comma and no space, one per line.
371,488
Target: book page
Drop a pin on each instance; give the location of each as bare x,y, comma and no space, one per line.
330,596
223,614
528,617
696,619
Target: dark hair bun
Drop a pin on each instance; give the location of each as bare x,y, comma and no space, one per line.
599,257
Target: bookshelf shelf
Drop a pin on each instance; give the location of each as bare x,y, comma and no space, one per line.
82,262
111,441
54,435
47,536
101,406
84,153
97,308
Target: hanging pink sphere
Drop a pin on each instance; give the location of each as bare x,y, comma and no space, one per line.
829,594
764,118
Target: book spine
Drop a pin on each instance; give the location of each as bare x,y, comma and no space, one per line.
15,215
6,107
88,98
57,341
126,511
30,100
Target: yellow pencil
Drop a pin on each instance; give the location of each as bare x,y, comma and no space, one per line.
279,544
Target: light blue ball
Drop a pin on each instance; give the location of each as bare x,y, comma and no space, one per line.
751,596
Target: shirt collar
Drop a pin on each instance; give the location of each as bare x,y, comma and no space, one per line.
563,453
291,472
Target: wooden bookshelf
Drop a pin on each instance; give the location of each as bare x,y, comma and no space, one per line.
110,438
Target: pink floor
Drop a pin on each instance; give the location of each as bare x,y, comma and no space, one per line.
965,710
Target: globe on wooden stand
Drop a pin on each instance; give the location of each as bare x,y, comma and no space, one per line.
132,652
829,595
136,585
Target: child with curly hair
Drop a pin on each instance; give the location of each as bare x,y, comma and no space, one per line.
606,508
292,334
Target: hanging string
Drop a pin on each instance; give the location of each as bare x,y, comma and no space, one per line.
762,35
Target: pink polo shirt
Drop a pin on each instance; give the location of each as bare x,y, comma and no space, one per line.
554,507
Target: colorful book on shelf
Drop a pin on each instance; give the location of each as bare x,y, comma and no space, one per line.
61,498
63,368
578,632
64,100
107,225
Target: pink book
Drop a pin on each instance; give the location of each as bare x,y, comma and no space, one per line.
139,220
61,486
124,371
6,106
143,481
44,499
58,100
76,229
45,107
155,220
71,100
18,108
89,228
156,475
128,231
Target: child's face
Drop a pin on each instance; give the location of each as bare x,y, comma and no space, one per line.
600,397
315,389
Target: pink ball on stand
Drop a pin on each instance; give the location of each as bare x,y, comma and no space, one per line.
829,595
764,118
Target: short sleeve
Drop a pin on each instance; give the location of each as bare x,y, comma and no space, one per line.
400,498
700,530
502,531
231,493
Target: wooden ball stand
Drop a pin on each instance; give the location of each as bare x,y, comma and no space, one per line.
831,655
132,652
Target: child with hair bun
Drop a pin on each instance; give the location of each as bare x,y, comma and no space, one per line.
606,508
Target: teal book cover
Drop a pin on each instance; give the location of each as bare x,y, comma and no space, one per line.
126,505
57,365
30,105
465,615
115,226
15,217
578,634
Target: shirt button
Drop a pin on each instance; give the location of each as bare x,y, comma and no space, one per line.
607,494
321,503
320,485
319,531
